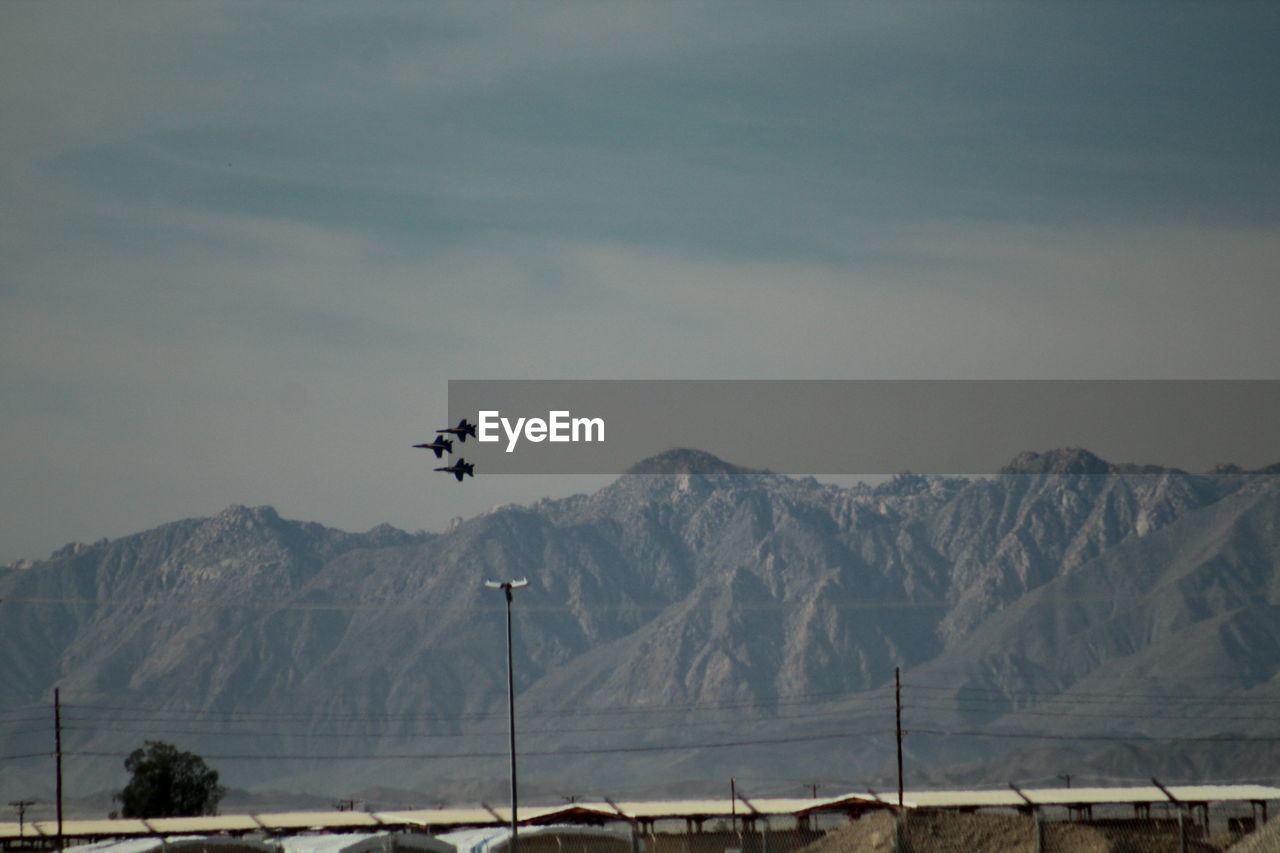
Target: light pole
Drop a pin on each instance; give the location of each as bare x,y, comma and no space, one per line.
506,587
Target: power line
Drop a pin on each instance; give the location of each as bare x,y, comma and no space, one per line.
530,753
1249,597
365,734
1091,697
1110,738
867,699
785,700
398,605
839,703
832,696
695,746
299,733
1106,715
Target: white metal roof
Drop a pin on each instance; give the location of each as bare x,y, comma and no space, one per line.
80,828
145,845
208,823
767,806
1088,796
327,820
961,799
632,810
463,816
1219,793
683,808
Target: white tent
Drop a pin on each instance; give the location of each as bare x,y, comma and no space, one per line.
364,842
495,839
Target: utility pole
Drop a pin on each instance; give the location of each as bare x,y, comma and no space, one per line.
57,755
897,705
506,587
21,806
733,804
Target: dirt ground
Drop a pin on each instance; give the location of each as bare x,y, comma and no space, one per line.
952,832
928,832
1265,840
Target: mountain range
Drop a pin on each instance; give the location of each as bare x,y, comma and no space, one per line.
1067,616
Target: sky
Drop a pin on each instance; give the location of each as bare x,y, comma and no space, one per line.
244,247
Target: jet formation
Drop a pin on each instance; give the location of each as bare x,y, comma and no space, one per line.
441,445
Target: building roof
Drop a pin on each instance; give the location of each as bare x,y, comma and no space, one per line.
1090,796
461,816
436,819
145,845
208,823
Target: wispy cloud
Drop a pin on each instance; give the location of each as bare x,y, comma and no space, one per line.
245,247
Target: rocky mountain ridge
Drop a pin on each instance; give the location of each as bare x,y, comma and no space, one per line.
670,613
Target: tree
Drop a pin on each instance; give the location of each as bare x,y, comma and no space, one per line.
166,782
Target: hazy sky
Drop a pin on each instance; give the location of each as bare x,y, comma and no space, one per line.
244,245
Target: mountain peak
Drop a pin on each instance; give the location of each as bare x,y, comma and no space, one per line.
1063,460
240,515
684,460
1075,461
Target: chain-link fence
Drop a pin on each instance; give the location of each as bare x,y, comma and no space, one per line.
923,831
720,838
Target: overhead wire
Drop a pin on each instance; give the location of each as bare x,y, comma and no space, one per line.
1089,697
744,742
523,753
782,700
838,704
74,726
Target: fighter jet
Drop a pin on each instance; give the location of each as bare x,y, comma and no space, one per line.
462,430
459,468
440,445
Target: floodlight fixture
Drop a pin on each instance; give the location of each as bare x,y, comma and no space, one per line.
516,584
